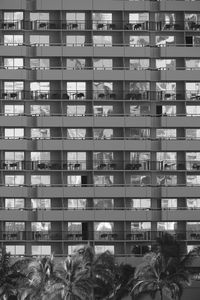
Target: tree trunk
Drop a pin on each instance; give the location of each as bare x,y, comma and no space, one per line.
161,295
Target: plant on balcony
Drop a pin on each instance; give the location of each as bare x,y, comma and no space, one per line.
165,271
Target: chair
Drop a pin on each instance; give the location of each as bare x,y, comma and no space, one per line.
111,26
100,26
101,96
128,26
113,96
65,96
76,166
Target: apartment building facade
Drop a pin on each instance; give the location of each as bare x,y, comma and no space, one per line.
100,134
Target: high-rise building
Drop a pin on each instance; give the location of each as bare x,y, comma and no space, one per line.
100,130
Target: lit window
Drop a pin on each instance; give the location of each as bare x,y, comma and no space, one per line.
14,133
41,203
41,250
40,180
15,249
13,110
40,133
14,203
14,180
13,40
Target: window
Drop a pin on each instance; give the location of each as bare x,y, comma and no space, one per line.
13,63
76,160
39,63
141,226
101,21
192,64
40,226
40,110
163,40
13,20
102,160
166,160
138,64
193,180
168,110
75,63
14,203
139,110
14,160
76,90
41,203
167,134
13,90
192,110
74,180
103,180
102,40
76,133
40,133
169,203
72,249
102,248
76,203
13,110
166,64
166,179
138,41
192,90
166,226
102,64
103,110
40,90
140,180
192,21
139,21
192,160
103,230
39,40
14,180
14,133
138,133
139,160
166,90
40,156
103,90
168,23
103,203
140,203
76,110
41,250
75,40
13,40
15,249
14,226
103,133
39,20
75,20
193,203
40,180
192,134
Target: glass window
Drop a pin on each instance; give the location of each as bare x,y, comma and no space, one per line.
141,203
76,90
74,180
14,160
138,17
166,179
193,180
13,90
162,133
168,203
138,64
139,110
103,90
39,110
103,110
13,20
40,180
193,134
193,160
13,110
102,248
40,226
72,249
75,20
75,63
14,203
75,40
40,156
39,16
166,226
15,249
163,40
102,40
102,64
39,63
103,133
75,158
192,21
192,90
192,110
192,64
138,133
166,90
39,40
74,227
142,226
76,133
41,250
13,40
14,133
41,203
103,203
14,180
40,133
193,203
102,229
138,41
105,180
166,64
140,180
76,110
101,20
166,160
169,110
13,63
14,226
40,89
101,160
76,203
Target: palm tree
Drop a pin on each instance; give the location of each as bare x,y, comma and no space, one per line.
164,271
11,274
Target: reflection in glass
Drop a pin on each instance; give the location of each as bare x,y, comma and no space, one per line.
166,226
166,90
75,63
102,90
13,63
166,64
140,203
103,133
13,110
103,203
74,180
14,203
139,64
13,40
138,133
76,160
40,110
139,110
102,40
192,110
41,250
75,20
166,160
168,203
76,133
140,180
39,63
166,179
103,248
102,64
192,90
39,40
15,249
75,40
103,110
193,203
141,226
162,133
14,133
76,90
40,133
138,41
169,110
101,20
14,180
76,203
105,180
76,110
164,40
40,180
192,180
193,134
43,203
103,229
